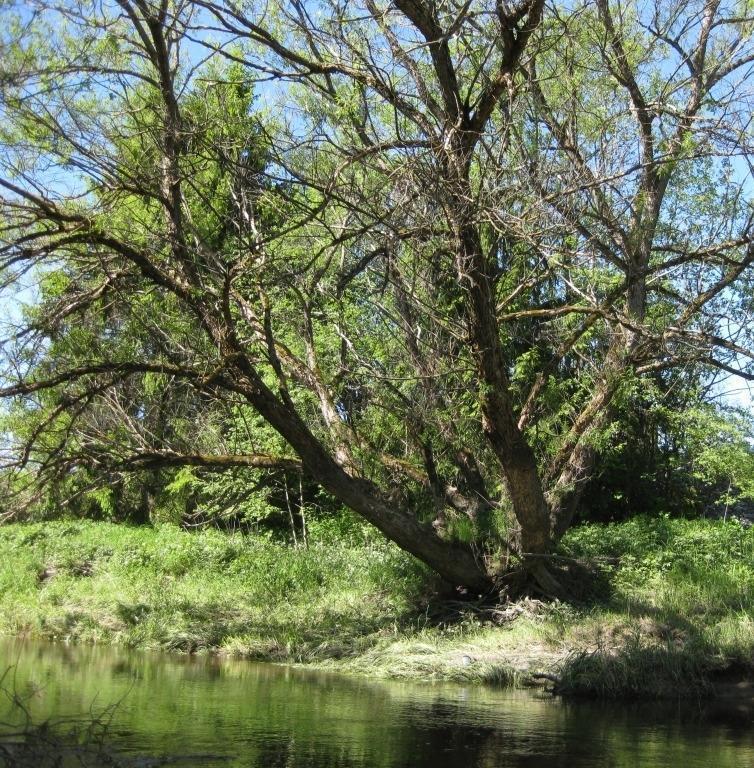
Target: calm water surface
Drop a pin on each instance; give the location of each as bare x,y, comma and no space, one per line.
222,712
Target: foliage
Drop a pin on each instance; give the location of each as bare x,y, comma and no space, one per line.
437,268
673,454
164,588
689,588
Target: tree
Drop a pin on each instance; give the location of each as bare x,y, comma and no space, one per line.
474,225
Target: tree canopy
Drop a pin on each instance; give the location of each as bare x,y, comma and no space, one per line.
426,252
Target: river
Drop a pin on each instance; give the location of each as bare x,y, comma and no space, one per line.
224,712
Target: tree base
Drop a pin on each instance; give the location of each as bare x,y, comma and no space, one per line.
553,577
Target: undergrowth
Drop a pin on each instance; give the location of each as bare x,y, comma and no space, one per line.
169,589
674,609
680,614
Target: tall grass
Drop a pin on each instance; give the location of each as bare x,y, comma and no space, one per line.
165,588
674,609
681,610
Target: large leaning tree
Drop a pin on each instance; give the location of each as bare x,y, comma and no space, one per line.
428,245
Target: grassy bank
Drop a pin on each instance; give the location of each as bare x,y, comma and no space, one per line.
667,609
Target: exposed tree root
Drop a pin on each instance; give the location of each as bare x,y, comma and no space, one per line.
545,581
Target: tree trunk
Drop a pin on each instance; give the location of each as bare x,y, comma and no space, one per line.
499,423
455,562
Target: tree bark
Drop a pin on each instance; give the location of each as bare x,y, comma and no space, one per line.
454,561
499,422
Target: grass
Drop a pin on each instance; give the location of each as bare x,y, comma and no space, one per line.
680,615
673,612
168,589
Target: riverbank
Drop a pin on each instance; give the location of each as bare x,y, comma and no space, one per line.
667,608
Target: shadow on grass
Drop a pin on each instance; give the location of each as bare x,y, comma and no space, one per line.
322,634
661,654
638,670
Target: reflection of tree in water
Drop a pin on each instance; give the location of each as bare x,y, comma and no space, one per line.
445,737
291,753
264,716
436,734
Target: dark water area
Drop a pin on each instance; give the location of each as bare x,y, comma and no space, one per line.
225,712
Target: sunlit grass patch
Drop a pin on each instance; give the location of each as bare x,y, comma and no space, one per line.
674,608
165,588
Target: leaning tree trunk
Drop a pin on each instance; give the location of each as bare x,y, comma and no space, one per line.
456,562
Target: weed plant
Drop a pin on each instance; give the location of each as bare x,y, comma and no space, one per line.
674,610
170,589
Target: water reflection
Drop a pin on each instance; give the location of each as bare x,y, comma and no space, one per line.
267,716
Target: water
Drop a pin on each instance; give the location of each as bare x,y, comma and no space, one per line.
222,712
